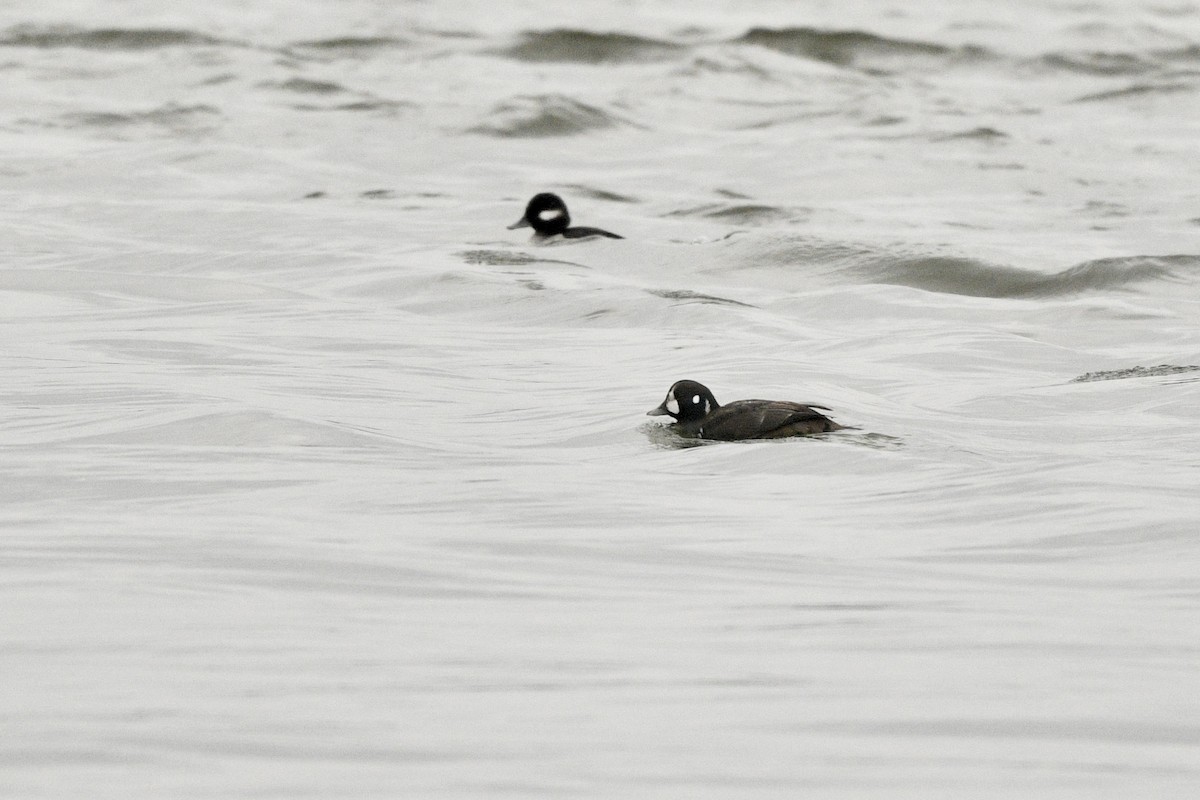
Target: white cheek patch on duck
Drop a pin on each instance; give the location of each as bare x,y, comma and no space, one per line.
672,405
549,214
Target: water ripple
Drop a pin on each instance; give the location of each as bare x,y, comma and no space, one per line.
346,46
1136,90
1135,372
740,213
971,277
56,36
531,116
587,47
852,48
171,118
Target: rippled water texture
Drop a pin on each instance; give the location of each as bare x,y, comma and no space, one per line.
316,481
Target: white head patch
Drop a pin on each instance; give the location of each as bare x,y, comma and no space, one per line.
672,404
696,400
549,214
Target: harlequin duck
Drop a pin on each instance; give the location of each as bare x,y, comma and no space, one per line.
547,215
697,413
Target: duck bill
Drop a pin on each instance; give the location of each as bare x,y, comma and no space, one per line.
659,411
521,223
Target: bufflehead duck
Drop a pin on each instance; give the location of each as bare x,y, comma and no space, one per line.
697,413
547,215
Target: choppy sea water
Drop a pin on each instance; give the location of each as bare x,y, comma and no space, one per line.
317,482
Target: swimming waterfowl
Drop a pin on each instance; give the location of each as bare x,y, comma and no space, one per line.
547,214
697,413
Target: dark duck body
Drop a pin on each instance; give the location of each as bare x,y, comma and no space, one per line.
547,215
697,413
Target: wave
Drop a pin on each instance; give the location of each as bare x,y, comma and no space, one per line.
506,258
529,116
307,86
389,107
1136,90
860,49
1135,372
983,133
739,213
335,92
104,38
169,117
1107,63
725,64
344,47
974,278
586,47
1098,63
852,48
688,296
600,194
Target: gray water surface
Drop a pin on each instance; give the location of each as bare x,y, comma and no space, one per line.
315,481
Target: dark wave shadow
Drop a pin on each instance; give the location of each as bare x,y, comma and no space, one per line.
69,36
983,134
1097,63
587,47
169,118
345,47
336,96
1137,90
854,48
1136,372
1112,64
688,296
306,86
982,279
600,194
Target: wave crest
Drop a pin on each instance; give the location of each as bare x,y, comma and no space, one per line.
1135,372
586,47
739,213
850,48
974,278
531,116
